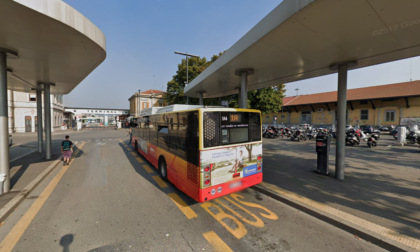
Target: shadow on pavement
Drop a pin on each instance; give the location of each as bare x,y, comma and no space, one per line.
381,185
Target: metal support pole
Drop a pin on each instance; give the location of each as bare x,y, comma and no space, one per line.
4,128
186,59
341,121
47,113
39,118
201,98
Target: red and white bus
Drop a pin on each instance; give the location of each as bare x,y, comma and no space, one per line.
204,152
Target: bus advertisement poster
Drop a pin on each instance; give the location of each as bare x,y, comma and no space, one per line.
232,162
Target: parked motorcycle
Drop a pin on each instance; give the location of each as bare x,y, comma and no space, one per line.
298,135
352,139
412,137
372,140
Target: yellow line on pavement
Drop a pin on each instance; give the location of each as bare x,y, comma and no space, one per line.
133,154
216,242
148,169
140,160
160,182
188,212
16,233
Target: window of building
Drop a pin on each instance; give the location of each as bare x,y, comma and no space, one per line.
32,97
145,105
306,117
390,116
364,114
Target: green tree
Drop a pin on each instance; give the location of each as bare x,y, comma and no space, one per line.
268,100
175,87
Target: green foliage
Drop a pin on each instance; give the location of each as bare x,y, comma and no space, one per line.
175,87
268,100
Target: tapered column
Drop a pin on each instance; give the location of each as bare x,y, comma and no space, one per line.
201,98
341,121
39,118
341,117
4,128
243,95
47,114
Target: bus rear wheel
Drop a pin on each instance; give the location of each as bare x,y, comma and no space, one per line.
163,171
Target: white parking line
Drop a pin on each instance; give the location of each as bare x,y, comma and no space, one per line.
21,156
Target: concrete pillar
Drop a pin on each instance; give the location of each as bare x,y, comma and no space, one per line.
201,98
39,118
4,121
243,95
4,128
341,117
341,121
47,113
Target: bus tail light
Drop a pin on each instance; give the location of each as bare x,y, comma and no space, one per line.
207,174
259,162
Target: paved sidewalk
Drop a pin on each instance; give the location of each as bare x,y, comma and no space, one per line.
378,200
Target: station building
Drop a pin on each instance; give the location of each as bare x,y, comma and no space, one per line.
102,116
23,113
146,99
391,104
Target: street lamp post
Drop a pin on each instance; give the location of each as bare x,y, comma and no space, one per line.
186,59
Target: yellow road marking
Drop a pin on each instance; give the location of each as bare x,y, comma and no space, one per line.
139,160
133,154
16,233
160,182
216,242
188,212
147,168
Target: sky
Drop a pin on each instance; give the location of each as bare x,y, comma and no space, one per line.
142,36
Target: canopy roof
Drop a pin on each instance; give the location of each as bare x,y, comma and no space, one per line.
54,43
301,39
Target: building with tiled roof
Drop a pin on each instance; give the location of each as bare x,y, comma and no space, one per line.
146,99
378,105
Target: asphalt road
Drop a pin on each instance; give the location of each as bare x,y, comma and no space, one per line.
110,199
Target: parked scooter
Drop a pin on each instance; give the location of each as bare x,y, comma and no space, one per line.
352,139
298,135
372,140
412,137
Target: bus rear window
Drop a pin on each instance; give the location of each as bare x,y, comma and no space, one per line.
236,135
223,128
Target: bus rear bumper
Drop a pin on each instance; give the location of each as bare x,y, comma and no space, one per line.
230,187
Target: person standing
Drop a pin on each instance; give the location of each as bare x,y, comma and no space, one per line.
130,133
67,150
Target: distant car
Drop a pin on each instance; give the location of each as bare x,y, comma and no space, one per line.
367,129
10,140
349,127
386,128
305,126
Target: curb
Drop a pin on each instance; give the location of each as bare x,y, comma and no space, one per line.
12,204
380,236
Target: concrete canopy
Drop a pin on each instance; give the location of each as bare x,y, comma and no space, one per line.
54,43
301,39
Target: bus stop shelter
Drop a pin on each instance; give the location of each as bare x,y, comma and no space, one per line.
302,39
46,47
